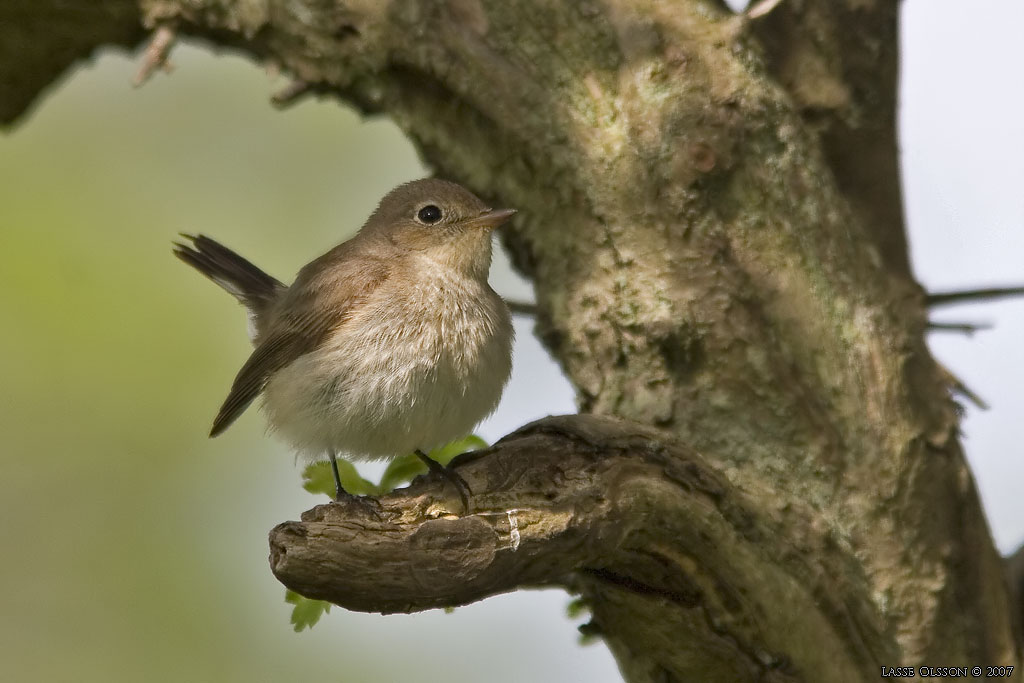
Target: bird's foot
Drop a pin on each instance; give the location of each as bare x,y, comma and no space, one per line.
449,475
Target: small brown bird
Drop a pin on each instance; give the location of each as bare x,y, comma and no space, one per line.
390,343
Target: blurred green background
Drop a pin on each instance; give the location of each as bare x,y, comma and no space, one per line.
134,548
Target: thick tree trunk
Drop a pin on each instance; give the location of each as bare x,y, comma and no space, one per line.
710,211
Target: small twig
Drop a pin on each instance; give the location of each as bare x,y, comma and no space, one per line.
523,308
957,385
966,392
155,56
759,9
964,328
964,295
288,95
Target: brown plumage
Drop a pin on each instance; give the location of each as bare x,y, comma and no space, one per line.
390,342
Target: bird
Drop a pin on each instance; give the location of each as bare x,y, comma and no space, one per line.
390,343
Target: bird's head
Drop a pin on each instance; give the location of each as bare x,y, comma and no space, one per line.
441,221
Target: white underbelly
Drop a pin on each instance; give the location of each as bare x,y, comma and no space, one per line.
386,385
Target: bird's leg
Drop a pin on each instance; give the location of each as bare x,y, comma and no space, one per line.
450,475
339,491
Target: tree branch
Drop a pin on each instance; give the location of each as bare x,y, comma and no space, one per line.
524,308
613,509
41,39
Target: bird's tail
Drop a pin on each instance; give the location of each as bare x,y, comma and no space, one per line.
239,278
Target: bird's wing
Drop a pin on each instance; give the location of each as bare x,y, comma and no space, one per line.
323,301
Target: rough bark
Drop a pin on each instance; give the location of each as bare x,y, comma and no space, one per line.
710,212
643,526
839,63
1015,574
40,39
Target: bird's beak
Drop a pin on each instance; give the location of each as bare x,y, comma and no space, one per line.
491,218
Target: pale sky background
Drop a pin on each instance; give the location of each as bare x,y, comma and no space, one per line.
142,544
962,135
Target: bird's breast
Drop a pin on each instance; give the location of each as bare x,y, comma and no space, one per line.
417,365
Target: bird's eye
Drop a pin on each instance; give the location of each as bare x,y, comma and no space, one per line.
429,214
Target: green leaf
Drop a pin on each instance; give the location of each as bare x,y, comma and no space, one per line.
401,470
318,478
306,612
577,607
445,454
405,468
590,633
